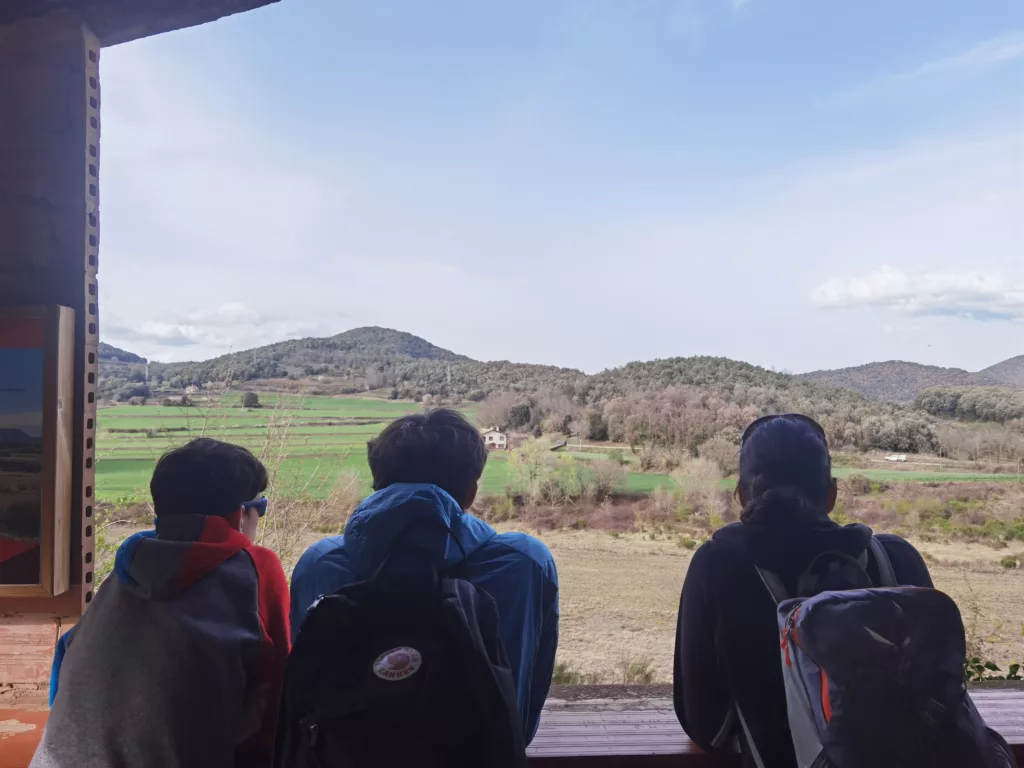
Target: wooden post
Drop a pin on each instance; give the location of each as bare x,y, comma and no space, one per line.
49,237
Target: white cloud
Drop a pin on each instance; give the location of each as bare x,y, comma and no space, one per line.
967,64
231,326
968,295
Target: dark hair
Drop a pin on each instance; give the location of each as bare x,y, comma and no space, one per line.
206,477
438,447
785,469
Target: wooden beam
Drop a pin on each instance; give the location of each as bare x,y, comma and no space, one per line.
49,236
118,21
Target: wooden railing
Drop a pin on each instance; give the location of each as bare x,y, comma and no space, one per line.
585,738
651,738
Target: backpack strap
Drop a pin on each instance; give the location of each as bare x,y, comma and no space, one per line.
773,584
886,573
749,739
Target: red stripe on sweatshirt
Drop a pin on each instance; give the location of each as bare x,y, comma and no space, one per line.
216,543
267,677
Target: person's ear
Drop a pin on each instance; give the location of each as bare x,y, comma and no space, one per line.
471,491
249,522
833,496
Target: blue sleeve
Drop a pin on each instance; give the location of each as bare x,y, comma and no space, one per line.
320,571
544,662
58,659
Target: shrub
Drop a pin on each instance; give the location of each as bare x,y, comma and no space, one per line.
607,478
565,674
617,456
859,485
977,670
1010,561
502,509
686,542
637,671
723,453
250,400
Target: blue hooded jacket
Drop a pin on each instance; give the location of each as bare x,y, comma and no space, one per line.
515,569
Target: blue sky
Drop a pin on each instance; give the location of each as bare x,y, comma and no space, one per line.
799,184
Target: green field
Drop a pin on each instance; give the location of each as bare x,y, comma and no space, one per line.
308,441
305,441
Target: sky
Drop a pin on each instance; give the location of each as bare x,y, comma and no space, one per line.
794,183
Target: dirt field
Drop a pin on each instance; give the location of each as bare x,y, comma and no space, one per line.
620,595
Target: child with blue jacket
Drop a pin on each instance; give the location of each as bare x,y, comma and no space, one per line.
426,468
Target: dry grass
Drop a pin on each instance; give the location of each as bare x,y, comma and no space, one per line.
620,597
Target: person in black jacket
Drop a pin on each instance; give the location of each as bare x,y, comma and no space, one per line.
727,638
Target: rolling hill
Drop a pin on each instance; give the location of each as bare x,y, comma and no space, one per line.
1008,372
354,361
373,358
112,354
680,402
901,382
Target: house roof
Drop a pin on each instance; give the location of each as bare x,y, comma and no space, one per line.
118,21
492,430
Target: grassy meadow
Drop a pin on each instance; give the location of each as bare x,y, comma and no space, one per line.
621,563
309,440
306,441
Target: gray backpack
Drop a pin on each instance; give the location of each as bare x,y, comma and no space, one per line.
874,674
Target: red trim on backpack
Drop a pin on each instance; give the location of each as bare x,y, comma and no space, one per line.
826,700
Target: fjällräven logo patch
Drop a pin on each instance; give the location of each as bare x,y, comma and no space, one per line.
398,664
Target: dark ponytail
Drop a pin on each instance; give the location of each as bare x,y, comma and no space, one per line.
785,471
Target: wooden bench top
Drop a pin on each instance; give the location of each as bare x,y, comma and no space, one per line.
646,738
653,737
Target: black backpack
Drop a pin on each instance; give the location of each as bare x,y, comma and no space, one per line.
402,669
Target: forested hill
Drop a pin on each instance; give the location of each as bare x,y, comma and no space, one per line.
677,402
347,355
901,382
358,360
111,354
1008,372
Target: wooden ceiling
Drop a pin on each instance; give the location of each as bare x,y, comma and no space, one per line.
118,21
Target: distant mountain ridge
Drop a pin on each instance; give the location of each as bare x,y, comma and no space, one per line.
369,358
902,382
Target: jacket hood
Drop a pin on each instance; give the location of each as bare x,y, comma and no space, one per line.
158,564
789,548
414,516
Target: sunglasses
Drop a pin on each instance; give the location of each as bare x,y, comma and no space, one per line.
260,505
756,425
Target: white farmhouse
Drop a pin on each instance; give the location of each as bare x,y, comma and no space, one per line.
494,439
